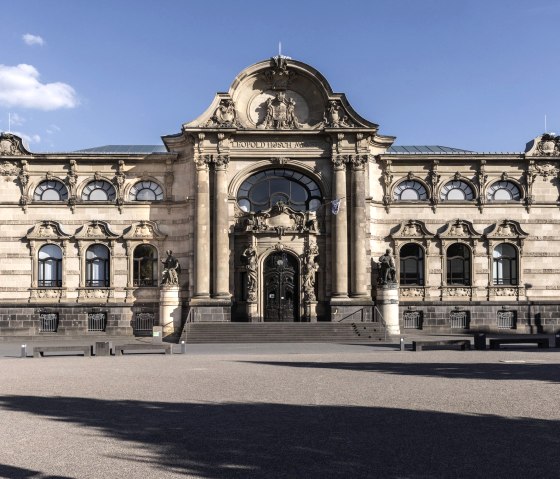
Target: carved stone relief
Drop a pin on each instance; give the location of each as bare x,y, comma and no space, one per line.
225,116
279,77
335,116
280,113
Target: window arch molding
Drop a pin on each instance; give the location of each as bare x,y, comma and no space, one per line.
415,184
134,187
508,186
46,190
459,184
97,183
98,266
265,187
42,234
276,163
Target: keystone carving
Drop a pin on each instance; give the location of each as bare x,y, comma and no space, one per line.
279,77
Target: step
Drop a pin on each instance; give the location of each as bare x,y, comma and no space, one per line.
283,332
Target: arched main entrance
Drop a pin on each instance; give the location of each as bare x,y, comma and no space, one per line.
281,288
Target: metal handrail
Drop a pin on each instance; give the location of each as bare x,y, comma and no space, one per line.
377,314
352,314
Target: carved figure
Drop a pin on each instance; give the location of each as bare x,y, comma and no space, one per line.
171,270
335,117
9,144
280,113
549,145
224,115
250,256
387,270
311,267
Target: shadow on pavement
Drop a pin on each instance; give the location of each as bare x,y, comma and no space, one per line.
545,372
255,440
12,472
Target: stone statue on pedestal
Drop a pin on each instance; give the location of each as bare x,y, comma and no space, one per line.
387,269
171,270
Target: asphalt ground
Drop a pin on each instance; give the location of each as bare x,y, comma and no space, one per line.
282,411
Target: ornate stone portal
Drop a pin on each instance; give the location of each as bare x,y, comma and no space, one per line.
280,126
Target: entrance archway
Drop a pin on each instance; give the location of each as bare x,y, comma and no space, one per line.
281,288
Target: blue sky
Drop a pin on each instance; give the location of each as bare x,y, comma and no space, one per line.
473,74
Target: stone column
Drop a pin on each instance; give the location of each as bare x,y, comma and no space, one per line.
340,238
202,230
358,280
220,229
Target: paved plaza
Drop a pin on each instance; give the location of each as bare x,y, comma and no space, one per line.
293,411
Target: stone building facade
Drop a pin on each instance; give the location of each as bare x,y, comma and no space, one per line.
277,203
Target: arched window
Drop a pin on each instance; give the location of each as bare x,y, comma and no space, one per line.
458,265
50,266
504,269
263,190
456,190
145,265
100,190
411,264
146,191
503,191
97,266
410,190
51,190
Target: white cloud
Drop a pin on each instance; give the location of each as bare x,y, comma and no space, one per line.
16,120
30,39
27,139
52,129
20,87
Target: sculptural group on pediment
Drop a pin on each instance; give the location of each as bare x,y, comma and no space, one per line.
280,113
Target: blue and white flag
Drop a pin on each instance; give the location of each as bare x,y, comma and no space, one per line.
335,207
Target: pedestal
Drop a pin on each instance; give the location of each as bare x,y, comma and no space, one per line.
388,305
169,309
311,311
252,312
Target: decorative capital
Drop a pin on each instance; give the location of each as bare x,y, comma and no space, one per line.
221,161
358,162
339,161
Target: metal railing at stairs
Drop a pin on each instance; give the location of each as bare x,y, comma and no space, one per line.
378,318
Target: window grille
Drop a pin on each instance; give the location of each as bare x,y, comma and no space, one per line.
412,319
97,321
507,319
144,321
48,322
459,319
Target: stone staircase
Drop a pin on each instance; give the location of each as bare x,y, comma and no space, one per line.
323,332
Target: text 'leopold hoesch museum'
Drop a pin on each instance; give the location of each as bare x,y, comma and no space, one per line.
278,205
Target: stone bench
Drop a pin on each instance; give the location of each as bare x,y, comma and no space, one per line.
462,343
542,341
39,351
144,348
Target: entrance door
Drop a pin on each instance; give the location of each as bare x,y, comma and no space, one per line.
281,288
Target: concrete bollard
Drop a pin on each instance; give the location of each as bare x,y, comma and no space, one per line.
402,344
183,347
23,353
